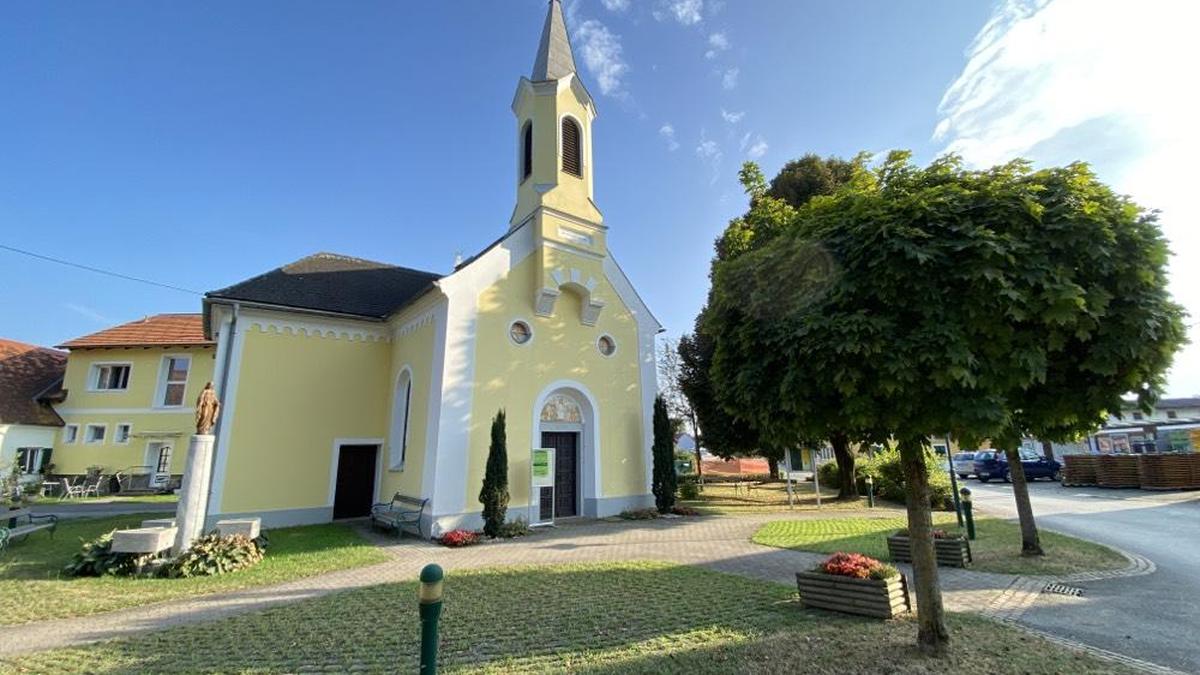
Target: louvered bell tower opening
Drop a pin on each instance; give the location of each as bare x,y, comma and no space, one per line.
571,148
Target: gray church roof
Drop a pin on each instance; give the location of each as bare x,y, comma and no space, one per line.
554,59
329,282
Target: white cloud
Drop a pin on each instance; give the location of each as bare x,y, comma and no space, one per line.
88,313
615,5
732,117
709,152
717,42
754,145
686,12
729,78
1062,80
668,133
601,52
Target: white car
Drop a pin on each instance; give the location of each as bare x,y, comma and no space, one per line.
964,464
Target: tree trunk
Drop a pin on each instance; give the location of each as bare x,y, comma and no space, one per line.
848,487
932,636
773,467
696,441
1030,545
1048,450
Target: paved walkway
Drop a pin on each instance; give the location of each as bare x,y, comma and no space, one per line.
719,543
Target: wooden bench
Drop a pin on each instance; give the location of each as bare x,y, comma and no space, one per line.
400,514
11,527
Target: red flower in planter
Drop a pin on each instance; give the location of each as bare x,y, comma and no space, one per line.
854,565
458,538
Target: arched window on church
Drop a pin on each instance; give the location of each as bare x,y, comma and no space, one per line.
401,403
527,151
572,147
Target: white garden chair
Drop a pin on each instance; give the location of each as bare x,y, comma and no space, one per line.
69,490
92,489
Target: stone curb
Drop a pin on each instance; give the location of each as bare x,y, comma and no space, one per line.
1129,661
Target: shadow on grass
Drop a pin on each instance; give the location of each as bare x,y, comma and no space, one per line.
630,617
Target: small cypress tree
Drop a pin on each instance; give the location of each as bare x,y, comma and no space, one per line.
494,495
665,481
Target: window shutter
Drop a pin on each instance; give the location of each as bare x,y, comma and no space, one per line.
571,159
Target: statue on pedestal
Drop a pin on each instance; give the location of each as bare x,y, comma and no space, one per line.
207,410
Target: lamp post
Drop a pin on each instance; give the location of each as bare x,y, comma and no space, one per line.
429,597
966,509
870,492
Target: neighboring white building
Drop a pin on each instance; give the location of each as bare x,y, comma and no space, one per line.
29,378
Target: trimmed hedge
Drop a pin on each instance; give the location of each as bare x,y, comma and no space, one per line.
885,469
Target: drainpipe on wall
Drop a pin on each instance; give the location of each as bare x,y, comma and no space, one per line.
221,386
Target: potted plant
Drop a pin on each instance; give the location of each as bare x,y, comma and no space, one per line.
855,584
951,549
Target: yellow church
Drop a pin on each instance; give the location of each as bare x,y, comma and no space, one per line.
345,381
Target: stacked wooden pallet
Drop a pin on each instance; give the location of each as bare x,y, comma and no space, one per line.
1170,471
1080,469
1118,471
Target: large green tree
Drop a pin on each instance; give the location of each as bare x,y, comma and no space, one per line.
1090,307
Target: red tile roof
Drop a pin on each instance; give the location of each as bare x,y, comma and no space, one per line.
28,373
162,329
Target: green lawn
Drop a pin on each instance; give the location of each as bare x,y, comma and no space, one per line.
724,498
610,618
31,589
997,547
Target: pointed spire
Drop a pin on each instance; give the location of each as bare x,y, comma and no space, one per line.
554,59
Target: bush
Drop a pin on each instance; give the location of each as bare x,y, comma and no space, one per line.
459,538
856,566
514,528
885,469
213,554
684,511
97,559
689,488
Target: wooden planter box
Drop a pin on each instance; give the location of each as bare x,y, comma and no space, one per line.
882,598
948,552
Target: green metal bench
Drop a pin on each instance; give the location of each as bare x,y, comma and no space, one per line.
400,514
11,527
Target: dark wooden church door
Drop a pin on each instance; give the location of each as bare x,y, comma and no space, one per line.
566,471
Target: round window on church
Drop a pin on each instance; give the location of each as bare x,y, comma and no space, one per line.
520,332
606,345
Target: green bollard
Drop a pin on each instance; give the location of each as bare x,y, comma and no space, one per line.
966,506
429,597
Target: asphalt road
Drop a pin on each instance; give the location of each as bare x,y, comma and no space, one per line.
1156,617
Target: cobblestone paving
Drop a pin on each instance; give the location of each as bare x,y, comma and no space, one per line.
719,543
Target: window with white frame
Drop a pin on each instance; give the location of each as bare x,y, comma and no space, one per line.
110,377
71,433
173,380
122,433
401,405
163,465
93,434
30,460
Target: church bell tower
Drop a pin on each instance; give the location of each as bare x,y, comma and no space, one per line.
554,114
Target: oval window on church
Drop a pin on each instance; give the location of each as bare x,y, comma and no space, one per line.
520,332
606,345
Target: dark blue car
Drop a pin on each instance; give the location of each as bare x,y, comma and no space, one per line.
991,464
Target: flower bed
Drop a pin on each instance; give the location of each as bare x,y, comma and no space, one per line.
855,584
458,538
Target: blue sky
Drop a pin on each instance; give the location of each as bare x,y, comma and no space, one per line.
198,144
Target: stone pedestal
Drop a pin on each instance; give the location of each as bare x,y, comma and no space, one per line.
248,527
159,522
193,494
143,540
